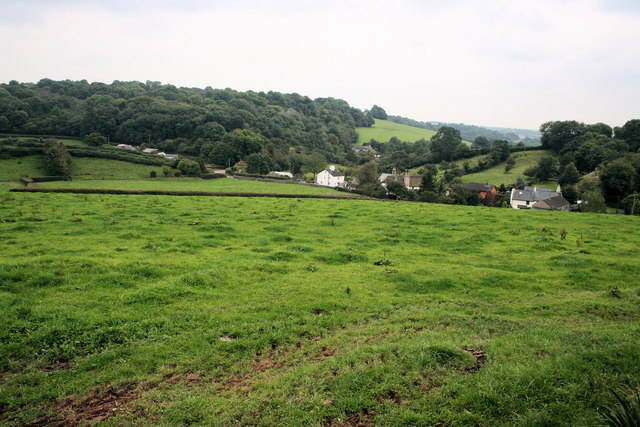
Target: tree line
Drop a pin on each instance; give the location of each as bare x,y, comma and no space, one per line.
220,126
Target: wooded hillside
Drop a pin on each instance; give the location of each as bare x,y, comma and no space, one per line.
218,125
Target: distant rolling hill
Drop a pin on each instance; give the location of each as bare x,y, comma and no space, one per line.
383,130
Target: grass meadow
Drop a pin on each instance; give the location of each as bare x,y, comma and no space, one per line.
82,168
383,130
196,184
146,310
496,175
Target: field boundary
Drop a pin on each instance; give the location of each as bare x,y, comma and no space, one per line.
184,193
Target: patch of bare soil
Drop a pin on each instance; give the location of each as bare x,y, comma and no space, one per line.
99,405
364,418
480,356
389,396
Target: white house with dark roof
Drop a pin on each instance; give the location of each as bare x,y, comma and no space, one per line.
331,177
539,198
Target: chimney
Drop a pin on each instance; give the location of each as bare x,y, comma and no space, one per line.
407,178
332,168
394,171
559,189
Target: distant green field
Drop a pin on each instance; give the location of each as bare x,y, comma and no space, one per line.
65,141
162,310
81,168
383,130
496,174
195,184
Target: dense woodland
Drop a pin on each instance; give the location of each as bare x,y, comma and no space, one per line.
220,126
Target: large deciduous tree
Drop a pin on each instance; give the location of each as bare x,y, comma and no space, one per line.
314,163
378,113
445,143
618,179
189,167
630,133
57,159
569,175
556,135
95,139
258,163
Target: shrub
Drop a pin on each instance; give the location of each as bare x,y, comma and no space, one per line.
57,159
153,174
95,139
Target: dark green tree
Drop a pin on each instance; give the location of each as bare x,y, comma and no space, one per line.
558,134
367,174
189,167
397,190
245,141
630,133
258,163
56,158
618,179
592,201
480,142
95,139
569,176
511,162
378,113
601,128
428,182
444,144
547,167
570,193
314,163
223,154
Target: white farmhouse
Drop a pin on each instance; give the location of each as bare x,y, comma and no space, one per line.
531,198
330,178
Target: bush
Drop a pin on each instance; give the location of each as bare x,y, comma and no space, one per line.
153,174
57,159
95,139
212,175
189,167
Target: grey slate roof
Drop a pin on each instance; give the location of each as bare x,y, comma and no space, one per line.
529,194
555,202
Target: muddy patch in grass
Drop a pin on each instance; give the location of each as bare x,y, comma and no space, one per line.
481,359
98,406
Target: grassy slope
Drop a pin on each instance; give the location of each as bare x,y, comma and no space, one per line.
81,168
497,176
195,184
242,311
383,130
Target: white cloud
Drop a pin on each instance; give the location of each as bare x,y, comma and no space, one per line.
512,63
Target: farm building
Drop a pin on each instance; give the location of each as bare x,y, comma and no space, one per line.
330,178
412,182
531,196
362,149
555,203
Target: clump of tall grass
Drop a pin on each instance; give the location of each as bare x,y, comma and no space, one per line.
626,412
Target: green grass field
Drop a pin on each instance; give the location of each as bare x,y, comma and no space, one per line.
383,130
195,184
147,310
81,168
497,176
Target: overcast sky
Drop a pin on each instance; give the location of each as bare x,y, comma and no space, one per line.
496,63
